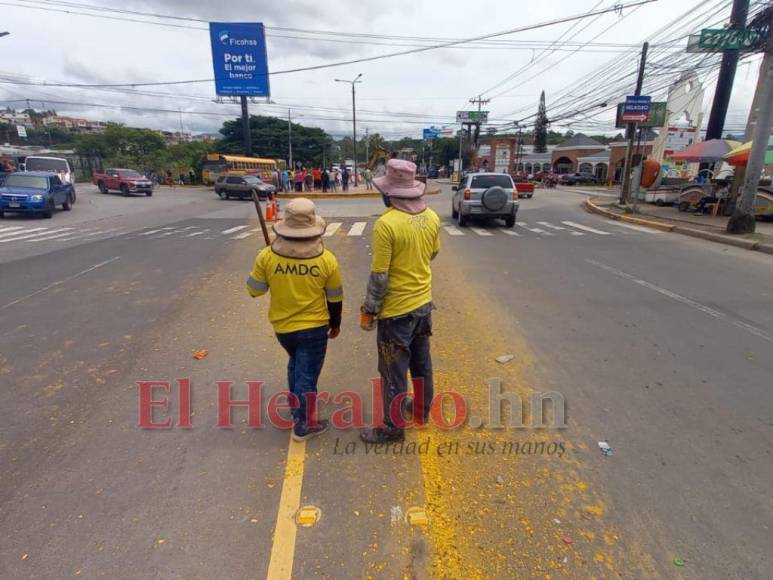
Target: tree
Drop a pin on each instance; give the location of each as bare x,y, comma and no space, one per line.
541,127
270,138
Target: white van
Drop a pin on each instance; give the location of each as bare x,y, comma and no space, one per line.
57,165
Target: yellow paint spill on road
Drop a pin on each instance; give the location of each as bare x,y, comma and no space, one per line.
493,513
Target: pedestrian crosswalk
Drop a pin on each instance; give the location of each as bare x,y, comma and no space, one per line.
9,234
351,228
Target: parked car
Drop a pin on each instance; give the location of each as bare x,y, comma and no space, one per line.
485,196
242,186
127,181
35,192
581,178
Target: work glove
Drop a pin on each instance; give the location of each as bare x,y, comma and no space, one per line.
367,320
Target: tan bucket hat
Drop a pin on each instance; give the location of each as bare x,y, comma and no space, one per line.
301,220
299,234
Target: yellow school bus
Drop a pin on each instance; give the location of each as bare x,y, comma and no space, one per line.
215,164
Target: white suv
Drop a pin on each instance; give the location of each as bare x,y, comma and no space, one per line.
485,196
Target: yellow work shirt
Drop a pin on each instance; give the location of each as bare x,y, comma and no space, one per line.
403,246
299,288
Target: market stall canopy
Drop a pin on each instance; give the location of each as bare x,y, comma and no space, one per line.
706,151
740,155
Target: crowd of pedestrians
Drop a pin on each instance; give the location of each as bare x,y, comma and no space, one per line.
322,179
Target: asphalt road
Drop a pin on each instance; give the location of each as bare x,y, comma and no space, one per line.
658,344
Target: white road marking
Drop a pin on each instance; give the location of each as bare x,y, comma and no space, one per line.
81,235
194,234
637,228
28,235
481,232
540,231
54,237
59,282
232,230
453,231
154,231
357,229
23,231
331,229
509,232
551,226
169,233
242,235
587,228
8,229
684,300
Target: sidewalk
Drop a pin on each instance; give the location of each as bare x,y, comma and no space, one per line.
669,219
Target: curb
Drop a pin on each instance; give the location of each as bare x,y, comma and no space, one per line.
593,208
745,244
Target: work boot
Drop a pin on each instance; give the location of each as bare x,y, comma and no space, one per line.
303,432
379,435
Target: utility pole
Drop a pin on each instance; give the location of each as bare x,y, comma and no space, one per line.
246,136
367,146
480,102
743,221
625,186
354,121
290,138
726,75
180,140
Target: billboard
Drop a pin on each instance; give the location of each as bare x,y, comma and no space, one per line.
431,133
472,116
239,59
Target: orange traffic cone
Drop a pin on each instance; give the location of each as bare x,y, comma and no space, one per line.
269,211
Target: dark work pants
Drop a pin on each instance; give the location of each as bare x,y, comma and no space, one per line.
307,350
403,344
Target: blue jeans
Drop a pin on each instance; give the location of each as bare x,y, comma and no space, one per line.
307,350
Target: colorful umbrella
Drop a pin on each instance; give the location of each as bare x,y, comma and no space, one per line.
706,151
740,155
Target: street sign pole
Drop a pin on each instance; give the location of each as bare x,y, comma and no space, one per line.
743,221
625,185
246,136
726,75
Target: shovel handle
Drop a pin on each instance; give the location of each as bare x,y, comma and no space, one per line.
260,217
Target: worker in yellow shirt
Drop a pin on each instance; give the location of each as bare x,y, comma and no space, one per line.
406,238
306,302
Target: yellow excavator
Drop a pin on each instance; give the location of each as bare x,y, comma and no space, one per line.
378,160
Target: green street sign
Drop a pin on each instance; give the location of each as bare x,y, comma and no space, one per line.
720,39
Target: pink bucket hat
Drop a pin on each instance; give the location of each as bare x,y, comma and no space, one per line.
399,181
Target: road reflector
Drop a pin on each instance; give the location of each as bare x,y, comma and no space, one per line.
416,516
307,516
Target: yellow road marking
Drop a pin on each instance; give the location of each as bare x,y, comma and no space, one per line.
280,567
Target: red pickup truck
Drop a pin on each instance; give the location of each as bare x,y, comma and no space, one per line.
525,188
127,181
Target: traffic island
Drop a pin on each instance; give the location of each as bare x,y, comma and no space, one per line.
703,227
353,193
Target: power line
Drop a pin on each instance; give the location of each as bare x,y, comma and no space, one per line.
370,58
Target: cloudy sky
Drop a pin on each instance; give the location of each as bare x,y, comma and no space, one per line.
579,64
